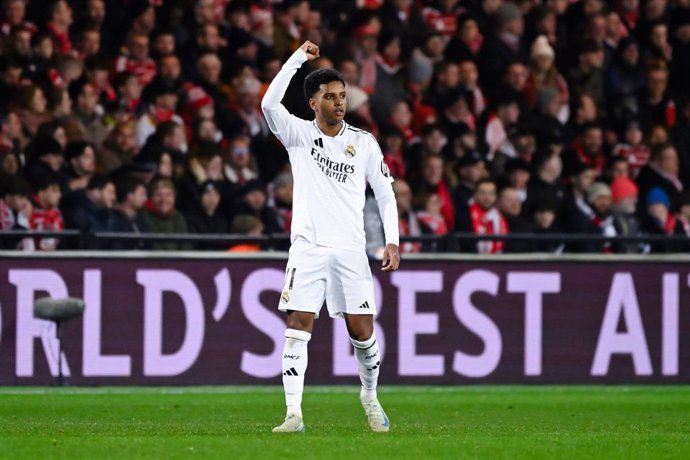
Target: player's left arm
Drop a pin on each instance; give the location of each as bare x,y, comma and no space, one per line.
380,179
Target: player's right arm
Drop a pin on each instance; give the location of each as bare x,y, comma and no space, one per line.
277,116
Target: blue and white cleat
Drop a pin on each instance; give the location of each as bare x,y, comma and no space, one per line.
292,424
378,420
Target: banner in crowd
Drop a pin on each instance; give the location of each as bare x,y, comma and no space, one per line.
214,321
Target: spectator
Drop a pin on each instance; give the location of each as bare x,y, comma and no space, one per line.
81,159
617,167
45,213
11,137
119,148
484,219
588,76
467,42
249,226
504,46
588,149
239,163
661,171
91,207
282,199
15,212
471,169
544,74
208,219
45,156
576,213
654,102
625,78
60,20
32,108
409,225
392,141
161,215
599,200
163,109
135,58
127,216
633,149
545,184
624,194
88,112
658,218
505,114
545,222
429,216
254,202
510,206
432,181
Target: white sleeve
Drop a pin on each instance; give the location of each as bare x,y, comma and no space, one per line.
380,179
277,116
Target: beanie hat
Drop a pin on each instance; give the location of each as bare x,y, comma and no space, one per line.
196,97
657,195
546,96
598,189
356,98
507,12
622,187
541,47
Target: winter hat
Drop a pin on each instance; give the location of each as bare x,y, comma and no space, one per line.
545,96
356,98
657,195
621,188
196,97
248,85
541,47
507,12
598,189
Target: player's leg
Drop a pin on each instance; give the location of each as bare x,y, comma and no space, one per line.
363,338
361,331
350,294
302,296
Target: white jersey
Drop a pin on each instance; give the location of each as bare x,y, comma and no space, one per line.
330,173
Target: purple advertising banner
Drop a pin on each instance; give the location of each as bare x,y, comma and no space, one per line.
208,320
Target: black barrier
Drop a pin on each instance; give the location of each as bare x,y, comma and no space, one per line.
453,242
190,318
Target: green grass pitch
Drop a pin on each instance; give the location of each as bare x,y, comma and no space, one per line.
509,422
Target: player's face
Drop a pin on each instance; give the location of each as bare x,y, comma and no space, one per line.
329,103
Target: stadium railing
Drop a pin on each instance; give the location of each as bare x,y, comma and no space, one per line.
453,242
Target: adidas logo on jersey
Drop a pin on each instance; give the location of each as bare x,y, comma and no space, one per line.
318,142
365,305
291,372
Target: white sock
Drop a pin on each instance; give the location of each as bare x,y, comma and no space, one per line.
369,358
294,368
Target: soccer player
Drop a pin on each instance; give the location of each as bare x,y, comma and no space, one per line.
332,162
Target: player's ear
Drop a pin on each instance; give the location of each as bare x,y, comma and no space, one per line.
312,103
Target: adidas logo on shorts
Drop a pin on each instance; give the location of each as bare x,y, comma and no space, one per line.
365,305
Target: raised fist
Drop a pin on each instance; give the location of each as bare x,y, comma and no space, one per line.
310,49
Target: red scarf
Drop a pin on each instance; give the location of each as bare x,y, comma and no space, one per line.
488,222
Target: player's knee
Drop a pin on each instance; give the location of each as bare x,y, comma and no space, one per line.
300,321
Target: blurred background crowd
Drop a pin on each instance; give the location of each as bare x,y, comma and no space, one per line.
494,116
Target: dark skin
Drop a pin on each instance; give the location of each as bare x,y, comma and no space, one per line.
329,106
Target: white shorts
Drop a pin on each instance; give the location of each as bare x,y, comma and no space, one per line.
317,273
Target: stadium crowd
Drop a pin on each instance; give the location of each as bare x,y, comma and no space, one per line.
494,117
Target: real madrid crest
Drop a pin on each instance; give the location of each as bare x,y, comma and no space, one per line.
350,151
285,297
